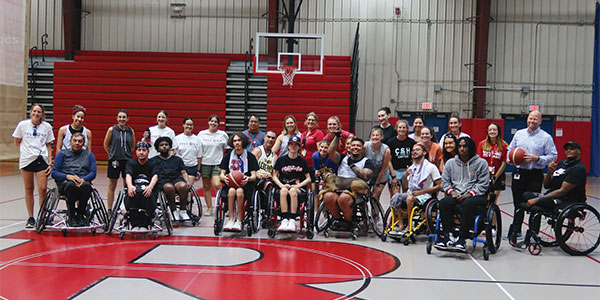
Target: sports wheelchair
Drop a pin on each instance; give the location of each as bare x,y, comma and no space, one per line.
120,220
367,214
575,228
488,220
305,212
251,209
53,217
417,223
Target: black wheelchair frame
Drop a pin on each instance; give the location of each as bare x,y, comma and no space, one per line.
305,211
251,212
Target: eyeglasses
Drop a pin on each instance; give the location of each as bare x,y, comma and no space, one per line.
34,130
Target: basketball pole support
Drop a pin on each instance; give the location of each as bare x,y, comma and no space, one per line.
482,33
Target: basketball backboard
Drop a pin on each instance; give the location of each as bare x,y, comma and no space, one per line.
274,51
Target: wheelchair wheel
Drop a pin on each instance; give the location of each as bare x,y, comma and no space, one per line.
219,215
310,215
99,210
377,217
389,219
45,210
255,214
115,211
577,229
195,203
166,214
323,218
546,234
432,212
493,233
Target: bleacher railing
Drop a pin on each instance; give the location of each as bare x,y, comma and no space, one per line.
354,81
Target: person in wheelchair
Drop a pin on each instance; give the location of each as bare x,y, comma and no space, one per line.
141,177
238,159
465,180
421,180
266,158
172,178
351,166
74,169
565,182
292,175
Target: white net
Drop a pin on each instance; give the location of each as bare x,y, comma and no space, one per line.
288,73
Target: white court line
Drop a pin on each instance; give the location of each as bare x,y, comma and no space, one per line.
491,277
11,225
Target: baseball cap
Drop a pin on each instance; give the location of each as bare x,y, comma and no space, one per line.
572,144
295,139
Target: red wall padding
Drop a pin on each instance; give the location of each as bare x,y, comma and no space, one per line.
477,128
574,131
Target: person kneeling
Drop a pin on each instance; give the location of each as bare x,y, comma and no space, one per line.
465,180
238,159
291,174
74,169
141,178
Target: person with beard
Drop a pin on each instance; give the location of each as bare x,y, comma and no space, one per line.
74,169
465,180
238,159
144,175
172,178
421,180
565,182
353,165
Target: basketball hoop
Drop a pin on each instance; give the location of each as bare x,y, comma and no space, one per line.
288,73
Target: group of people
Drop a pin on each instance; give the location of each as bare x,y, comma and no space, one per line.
413,165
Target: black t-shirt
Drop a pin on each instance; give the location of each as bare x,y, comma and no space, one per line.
252,163
134,168
573,173
291,171
401,152
388,133
168,169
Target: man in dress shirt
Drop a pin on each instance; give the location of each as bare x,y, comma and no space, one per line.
540,151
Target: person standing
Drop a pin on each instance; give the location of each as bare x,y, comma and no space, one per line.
63,140
418,124
455,128
190,149
400,149
159,130
118,142
34,138
213,143
493,149
540,151
310,137
256,136
383,116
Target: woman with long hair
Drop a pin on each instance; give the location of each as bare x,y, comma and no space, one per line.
418,124
159,130
493,149
455,128
400,149
290,128
383,116
118,143
63,139
334,127
450,148
34,138
435,151
379,153
213,143
190,149
310,137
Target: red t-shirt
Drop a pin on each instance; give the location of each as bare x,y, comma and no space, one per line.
342,145
494,157
309,144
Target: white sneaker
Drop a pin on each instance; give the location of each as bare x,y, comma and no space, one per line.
184,215
228,225
283,226
177,215
237,226
291,225
208,212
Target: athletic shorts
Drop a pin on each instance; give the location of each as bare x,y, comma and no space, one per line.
210,170
500,184
116,168
399,175
162,182
37,165
192,171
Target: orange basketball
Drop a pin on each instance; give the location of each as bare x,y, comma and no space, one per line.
516,156
235,179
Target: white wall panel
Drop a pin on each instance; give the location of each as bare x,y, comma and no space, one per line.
46,17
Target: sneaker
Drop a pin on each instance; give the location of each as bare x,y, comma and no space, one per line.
83,222
445,244
177,215
237,226
228,225
184,215
283,226
460,246
30,223
292,225
403,232
519,237
208,212
73,221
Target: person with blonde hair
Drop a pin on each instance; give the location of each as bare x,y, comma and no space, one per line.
494,149
310,137
290,128
334,128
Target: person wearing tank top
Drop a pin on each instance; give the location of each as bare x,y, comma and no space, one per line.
118,142
381,156
290,128
63,139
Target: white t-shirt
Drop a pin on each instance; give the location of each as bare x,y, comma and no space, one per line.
155,133
431,171
213,146
33,146
189,149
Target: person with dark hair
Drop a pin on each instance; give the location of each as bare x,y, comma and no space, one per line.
565,182
118,142
34,138
351,166
449,147
63,139
455,128
418,124
238,159
435,151
265,156
213,143
400,147
190,149
465,181
141,179
159,130
74,169
256,136
494,149
389,131
172,178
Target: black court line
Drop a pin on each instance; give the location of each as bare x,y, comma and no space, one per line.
494,282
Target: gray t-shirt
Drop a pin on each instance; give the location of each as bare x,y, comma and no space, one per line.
377,159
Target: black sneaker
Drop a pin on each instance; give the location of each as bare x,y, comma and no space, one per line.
445,244
30,223
460,246
73,221
83,222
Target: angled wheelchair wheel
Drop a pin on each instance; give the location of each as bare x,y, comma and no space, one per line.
45,210
99,212
166,214
310,214
195,206
255,213
323,218
493,228
546,234
219,215
377,217
577,229
115,211
432,210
